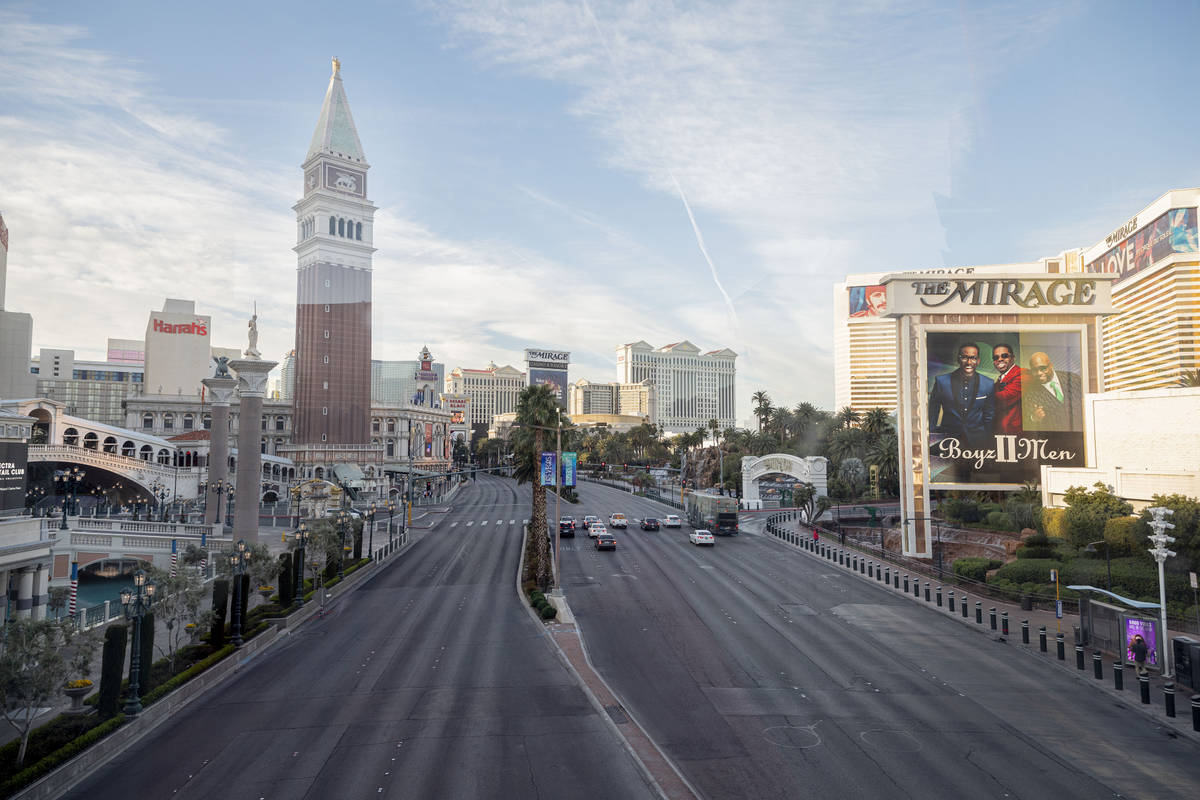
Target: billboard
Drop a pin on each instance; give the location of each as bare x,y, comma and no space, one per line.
569,464
556,379
1172,232
1002,403
13,460
867,302
546,471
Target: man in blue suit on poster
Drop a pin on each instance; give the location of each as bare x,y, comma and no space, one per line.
962,403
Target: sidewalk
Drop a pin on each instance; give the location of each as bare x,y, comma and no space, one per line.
1130,695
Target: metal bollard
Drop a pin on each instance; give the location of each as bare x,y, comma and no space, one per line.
1119,676
1144,686
978,612
842,557
916,588
906,584
1061,644
854,563
1097,666
1004,622
1169,698
992,617
1196,712
871,569
926,591
862,566
887,575
896,579
1079,657
939,596
1024,631
1042,638
951,601
964,606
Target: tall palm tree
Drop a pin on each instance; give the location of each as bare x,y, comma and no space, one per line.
764,412
537,410
846,417
760,400
715,427
1190,378
876,421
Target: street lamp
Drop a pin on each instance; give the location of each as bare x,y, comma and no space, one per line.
159,491
69,479
1091,548
371,535
238,560
217,487
391,509
343,522
1160,526
301,543
136,602
230,494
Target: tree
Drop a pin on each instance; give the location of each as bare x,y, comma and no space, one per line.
715,426
39,657
876,422
762,406
177,603
1190,378
883,453
1186,520
324,542
846,417
537,411
1087,512
810,504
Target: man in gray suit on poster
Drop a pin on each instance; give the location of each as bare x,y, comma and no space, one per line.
1053,400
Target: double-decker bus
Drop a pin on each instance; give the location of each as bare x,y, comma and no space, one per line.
718,513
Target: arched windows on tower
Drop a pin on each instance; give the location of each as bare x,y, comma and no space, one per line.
341,227
332,226
358,231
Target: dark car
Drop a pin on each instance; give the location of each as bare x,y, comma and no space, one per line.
605,541
566,527
649,524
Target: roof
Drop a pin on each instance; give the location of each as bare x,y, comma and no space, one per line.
1131,603
335,134
191,436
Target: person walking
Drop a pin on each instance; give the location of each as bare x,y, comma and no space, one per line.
1140,650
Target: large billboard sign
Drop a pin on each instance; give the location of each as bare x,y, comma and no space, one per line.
14,458
1022,294
1002,403
556,379
1172,232
868,302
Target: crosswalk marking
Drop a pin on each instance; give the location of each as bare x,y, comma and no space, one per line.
472,522
484,522
512,522
452,524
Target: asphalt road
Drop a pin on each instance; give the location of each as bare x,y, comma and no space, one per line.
430,681
763,673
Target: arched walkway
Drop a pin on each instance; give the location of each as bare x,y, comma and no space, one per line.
807,470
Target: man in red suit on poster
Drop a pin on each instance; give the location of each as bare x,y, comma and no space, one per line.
1008,389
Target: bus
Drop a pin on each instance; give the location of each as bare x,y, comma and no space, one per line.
718,513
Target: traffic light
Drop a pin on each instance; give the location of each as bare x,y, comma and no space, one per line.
602,465
624,466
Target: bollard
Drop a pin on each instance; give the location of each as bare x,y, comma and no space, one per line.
1097,666
1079,656
1118,676
1004,622
939,596
906,584
896,579
1196,712
1024,631
916,588
887,575
1144,686
1061,644
862,566
992,617
978,612
871,569
1169,698
842,557
926,591
1042,638
964,606
951,601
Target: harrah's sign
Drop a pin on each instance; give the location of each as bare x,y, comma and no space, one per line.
195,328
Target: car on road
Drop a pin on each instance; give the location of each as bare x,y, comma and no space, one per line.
702,537
597,529
590,520
649,524
671,521
618,520
605,541
566,527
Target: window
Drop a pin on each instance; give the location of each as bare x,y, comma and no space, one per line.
189,422
326,359
326,334
324,411
168,421
71,436
374,426
341,227
358,231
263,446
327,305
279,423
206,421
264,423
147,421
324,384
327,283
332,229
322,437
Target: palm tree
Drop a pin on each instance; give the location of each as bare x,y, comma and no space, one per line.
876,421
883,453
537,410
1190,378
761,401
715,427
846,417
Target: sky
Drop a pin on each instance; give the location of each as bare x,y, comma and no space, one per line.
576,174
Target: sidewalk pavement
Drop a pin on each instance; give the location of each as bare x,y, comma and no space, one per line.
1130,695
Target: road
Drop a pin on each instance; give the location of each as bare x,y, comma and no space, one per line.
429,681
763,673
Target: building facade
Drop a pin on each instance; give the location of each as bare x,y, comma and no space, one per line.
334,227
492,391
16,337
95,390
690,387
400,383
623,399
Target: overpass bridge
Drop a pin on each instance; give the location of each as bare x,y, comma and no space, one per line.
131,470
93,541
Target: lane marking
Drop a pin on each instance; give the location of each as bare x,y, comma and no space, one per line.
484,522
470,523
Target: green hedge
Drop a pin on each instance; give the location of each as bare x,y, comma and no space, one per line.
1028,570
183,677
60,756
975,569
549,612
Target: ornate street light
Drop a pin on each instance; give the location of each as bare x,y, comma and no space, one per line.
301,546
391,509
159,491
69,479
217,487
343,522
136,602
238,560
229,497
371,535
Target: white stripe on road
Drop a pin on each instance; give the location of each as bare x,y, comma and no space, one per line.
512,522
484,522
452,524
472,522
499,522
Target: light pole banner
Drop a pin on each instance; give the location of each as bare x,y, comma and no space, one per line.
548,470
568,468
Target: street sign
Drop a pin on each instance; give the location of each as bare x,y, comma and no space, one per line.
1054,578
1192,578
568,468
547,470
1058,608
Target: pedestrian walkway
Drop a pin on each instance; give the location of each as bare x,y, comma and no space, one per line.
979,612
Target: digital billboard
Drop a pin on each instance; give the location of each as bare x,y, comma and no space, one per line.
868,301
1002,403
556,379
13,461
1170,233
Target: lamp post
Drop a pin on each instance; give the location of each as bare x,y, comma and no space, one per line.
160,493
371,535
136,602
1091,548
217,487
1160,526
202,492
69,479
391,509
343,522
230,495
301,543
238,560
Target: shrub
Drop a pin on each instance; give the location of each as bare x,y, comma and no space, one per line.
1028,570
60,756
287,589
220,605
975,569
145,652
1054,522
187,675
111,666
549,612
1036,546
1000,521
1123,535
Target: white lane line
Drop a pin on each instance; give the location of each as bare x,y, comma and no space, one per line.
499,522
512,522
469,524
484,522
452,524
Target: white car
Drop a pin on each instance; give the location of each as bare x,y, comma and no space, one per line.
702,537
595,529
671,521
618,521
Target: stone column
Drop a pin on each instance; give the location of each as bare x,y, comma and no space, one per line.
41,591
24,592
252,388
221,392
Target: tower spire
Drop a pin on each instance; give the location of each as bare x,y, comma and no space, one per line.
335,134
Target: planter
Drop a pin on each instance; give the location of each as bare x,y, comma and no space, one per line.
77,695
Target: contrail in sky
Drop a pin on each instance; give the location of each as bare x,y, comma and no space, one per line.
687,206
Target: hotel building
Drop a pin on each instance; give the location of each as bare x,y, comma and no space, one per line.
690,387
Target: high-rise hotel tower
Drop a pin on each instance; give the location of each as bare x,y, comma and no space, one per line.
333,284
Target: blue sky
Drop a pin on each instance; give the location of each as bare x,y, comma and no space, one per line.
534,163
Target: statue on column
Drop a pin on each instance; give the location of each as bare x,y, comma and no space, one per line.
222,370
252,350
